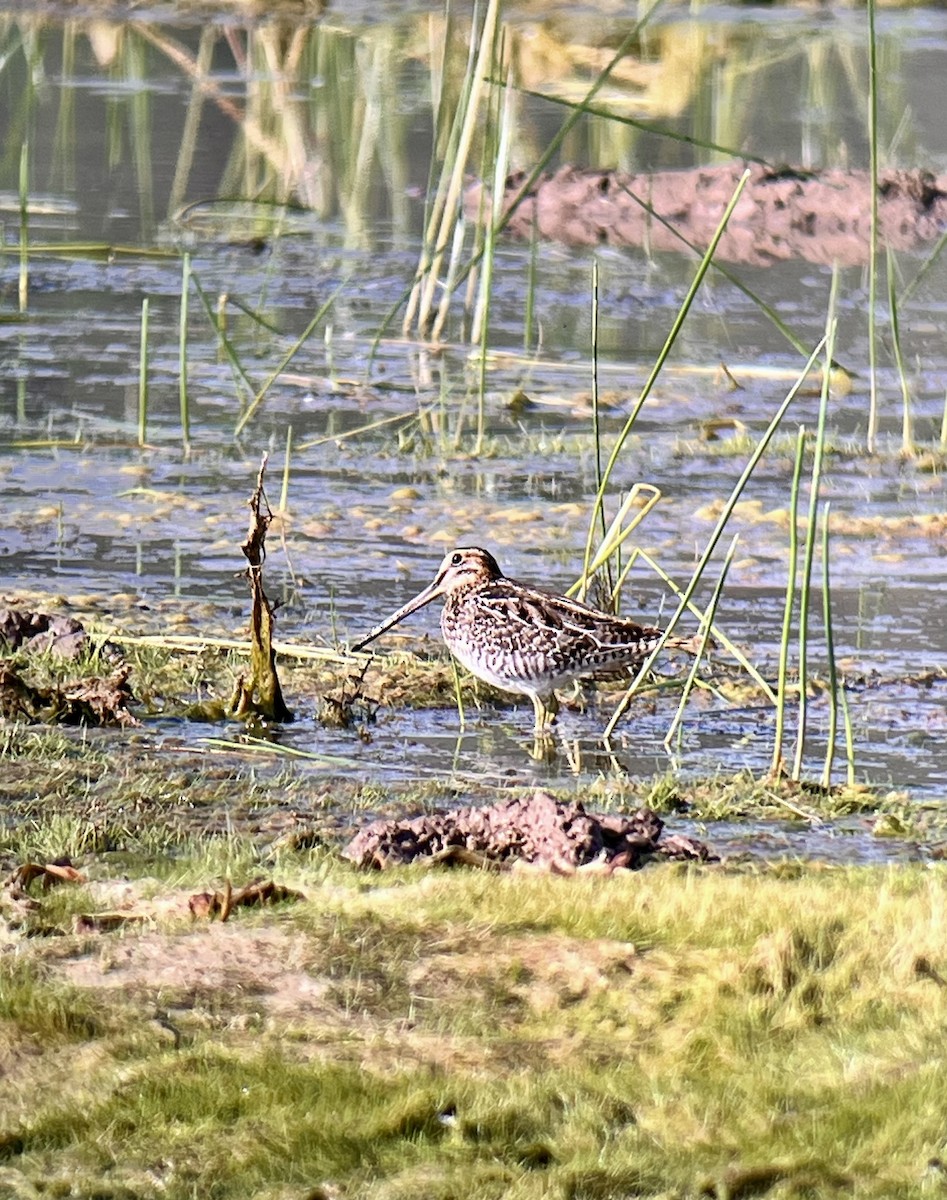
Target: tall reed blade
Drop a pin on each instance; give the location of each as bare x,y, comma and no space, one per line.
24,276
791,579
715,537
809,551
453,190
907,419
183,401
287,359
704,639
830,653
872,434
143,375
597,438
595,517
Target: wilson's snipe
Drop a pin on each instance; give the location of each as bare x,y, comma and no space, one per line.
521,639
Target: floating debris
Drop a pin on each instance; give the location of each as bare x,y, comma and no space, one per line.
90,701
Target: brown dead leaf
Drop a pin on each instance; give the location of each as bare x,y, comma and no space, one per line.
50,873
222,904
105,922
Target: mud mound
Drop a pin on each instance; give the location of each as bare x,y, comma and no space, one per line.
537,829
822,217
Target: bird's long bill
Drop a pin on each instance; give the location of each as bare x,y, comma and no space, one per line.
431,592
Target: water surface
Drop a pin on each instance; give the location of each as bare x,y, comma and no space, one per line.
291,162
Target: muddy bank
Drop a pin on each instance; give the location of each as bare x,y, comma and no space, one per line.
822,217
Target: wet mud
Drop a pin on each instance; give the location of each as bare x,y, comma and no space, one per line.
537,830
785,213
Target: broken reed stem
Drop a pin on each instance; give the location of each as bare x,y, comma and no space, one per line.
143,375
702,269
616,533
197,645
217,316
182,351
809,551
261,694
685,598
830,652
791,577
702,647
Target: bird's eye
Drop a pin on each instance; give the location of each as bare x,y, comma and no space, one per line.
456,559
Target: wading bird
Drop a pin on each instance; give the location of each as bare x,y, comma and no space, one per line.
522,639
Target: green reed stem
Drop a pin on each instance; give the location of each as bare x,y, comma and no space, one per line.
830,652
217,316
704,638
286,359
731,276
872,434
529,315
907,421
943,425
849,739
182,351
143,375
781,679
703,267
715,536
596,435
809,550
24,185
287,458
908,291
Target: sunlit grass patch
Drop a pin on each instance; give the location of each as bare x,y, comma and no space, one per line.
474,1035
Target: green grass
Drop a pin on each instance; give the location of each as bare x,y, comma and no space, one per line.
452,1033
472,1035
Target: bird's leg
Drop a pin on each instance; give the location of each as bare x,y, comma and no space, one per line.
545,711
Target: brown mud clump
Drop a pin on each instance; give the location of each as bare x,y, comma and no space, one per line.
40,633
537,830
783,213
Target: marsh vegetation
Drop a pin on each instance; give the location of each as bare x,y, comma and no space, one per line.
229,237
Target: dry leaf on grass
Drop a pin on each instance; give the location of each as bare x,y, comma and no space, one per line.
51,874
222,904
105,922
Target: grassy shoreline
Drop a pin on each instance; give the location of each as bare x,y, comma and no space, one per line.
672,1032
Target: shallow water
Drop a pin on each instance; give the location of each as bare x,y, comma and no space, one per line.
121,140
